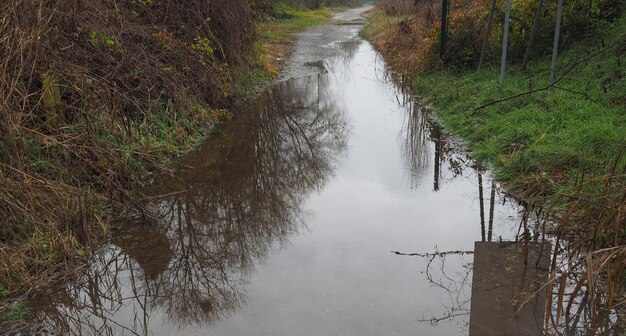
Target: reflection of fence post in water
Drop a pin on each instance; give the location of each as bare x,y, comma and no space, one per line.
507,295
492,201
437,139
482,206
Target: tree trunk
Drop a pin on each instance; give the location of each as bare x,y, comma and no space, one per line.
533,32
444,27
505,42
555,46
487,33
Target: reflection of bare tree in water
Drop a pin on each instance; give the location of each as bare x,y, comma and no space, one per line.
350,48
213,222
341,67
421,138
456,285
416,142
453,273
454,281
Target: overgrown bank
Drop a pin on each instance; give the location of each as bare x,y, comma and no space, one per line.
98,97
560,148
95,96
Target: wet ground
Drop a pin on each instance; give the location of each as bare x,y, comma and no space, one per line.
285,221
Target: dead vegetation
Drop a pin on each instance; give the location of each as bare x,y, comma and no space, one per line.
94,96
405,34
586,283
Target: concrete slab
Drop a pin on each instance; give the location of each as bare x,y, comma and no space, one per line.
501,283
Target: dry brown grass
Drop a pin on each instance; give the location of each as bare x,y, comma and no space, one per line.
586,286
402,36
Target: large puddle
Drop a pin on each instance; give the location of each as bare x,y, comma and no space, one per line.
285,221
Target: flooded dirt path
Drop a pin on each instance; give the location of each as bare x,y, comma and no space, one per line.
285,221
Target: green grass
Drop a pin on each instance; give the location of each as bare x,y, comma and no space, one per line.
18,312
289,21
254,80
274,35
555,132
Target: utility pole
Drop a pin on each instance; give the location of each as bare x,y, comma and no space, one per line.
533,33
505,42
555,46
487,33
444,28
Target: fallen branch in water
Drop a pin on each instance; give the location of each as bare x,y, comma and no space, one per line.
435,254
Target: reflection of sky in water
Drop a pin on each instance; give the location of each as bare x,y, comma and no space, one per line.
238,260
342,271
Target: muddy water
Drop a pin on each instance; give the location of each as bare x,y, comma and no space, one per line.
285,221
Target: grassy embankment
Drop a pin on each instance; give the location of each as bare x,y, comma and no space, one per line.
577,125
96,99
544,140
560,148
